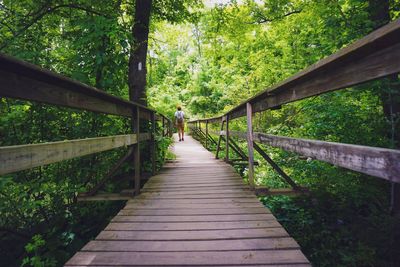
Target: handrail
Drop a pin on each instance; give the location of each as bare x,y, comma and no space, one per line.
375,56
26,81
22,157
22,80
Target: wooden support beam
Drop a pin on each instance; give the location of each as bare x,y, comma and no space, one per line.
22,157
219,139
249,138
153,144
136,151
240,154
110,174
276,167
207,134
237,149
212,139
227,139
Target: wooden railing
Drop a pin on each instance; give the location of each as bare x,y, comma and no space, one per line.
375,56
21,80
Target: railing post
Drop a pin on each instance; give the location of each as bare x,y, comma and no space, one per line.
219,139
136,150
227,139
249,113
200,130
153,143
206,134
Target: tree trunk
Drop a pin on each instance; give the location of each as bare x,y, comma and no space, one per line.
137,60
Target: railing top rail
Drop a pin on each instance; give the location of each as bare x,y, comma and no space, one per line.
374,56
24,69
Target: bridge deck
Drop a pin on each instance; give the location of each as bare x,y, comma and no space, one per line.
196,212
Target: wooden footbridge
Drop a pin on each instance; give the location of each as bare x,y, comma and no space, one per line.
197,211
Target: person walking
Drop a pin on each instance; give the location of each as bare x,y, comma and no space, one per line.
180,123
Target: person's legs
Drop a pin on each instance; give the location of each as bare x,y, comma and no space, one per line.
183,132
179,131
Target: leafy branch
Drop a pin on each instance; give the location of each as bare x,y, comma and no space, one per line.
43,11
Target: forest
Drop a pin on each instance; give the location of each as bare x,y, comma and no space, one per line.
208,57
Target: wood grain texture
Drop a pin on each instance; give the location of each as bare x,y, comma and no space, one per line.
21,157
199,245
374,56
213,258
185,218
22,80
380,162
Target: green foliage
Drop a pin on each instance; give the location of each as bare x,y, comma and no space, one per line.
41,223
214,59
245,48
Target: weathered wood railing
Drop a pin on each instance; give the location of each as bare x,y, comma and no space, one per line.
375,56
21,80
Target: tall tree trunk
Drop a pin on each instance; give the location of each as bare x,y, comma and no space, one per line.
389,94
137,60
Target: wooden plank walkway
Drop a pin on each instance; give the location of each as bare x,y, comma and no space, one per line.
195,212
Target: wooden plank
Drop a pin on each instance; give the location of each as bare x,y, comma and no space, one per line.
198,176
183,184
226,234
238,191
145,200
197,196
201,245
193,226
167,205
197,180
161,188
219,182
199,191
188,258
187,211
22,157
258,265
195,218
22,80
